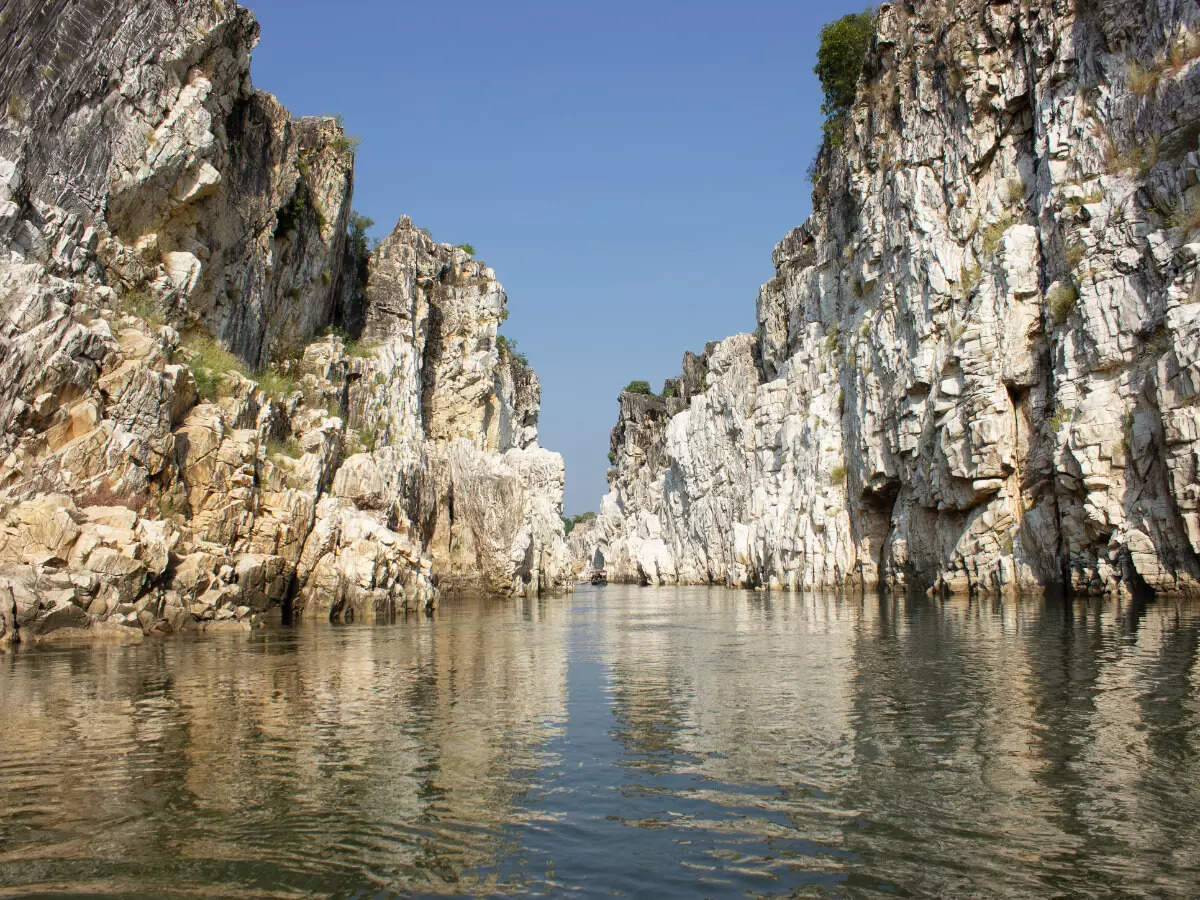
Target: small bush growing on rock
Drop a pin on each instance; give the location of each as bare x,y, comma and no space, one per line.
569,522
1184,220
1127,433
969,277
994,233
290,448
840,57
612,458
360,349
1143,82
837,475
1075,253
1184,49
276,384
468,248
140,304
357,228
210,363
344,141
1139,157
1061,417
368,436
669,389
638,387
508,350
1062,299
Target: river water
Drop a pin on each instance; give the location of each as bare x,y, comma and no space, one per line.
645,742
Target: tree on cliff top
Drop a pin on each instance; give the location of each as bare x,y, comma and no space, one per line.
638,387
844,45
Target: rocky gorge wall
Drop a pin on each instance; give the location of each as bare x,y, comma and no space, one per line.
976,367
215,401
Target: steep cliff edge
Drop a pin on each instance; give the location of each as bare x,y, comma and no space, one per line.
976,367
190,435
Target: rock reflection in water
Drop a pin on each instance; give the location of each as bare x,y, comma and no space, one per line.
286,760
650,741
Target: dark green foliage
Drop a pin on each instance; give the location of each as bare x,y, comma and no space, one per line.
357,229
470,248
612,458
289,217
569,522
669,389
638,387
508,349
344,141
844,45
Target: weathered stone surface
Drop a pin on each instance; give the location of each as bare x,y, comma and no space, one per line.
179,449
976,366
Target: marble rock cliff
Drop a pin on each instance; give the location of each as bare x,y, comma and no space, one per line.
215,401
978,364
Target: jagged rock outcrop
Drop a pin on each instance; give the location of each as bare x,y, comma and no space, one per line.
976,366
582,542
180,447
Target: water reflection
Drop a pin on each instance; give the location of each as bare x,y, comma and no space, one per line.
285,761
645,741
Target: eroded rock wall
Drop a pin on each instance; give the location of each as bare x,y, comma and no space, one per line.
180,444
976,365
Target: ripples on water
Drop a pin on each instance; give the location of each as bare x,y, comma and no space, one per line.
651,742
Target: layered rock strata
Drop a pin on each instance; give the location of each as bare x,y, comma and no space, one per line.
978,364
185,441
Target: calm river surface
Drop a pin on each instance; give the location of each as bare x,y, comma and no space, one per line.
645,742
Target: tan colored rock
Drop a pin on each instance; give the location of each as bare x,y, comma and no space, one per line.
183,214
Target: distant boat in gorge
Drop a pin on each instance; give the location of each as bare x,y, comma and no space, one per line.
599,576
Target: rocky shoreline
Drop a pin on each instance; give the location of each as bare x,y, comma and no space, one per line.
217,400
977,368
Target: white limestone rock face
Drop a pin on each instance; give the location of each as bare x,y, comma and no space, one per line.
179,449
975,368
441,389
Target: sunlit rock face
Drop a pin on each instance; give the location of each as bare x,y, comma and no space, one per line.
976,365
173,246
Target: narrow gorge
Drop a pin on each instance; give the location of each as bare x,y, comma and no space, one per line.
218,401
977,367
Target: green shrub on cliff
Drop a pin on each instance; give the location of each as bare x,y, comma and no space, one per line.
508,348
210,363
357,228
840,57
638,387
844,45
141,304
569,522
344,141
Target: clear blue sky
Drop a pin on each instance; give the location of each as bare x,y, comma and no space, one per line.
626,168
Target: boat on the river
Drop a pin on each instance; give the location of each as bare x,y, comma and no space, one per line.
599,576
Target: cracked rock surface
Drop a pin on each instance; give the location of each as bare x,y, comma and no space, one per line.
191,438
977,367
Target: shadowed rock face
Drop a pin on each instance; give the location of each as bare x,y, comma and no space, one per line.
976,366
178,445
